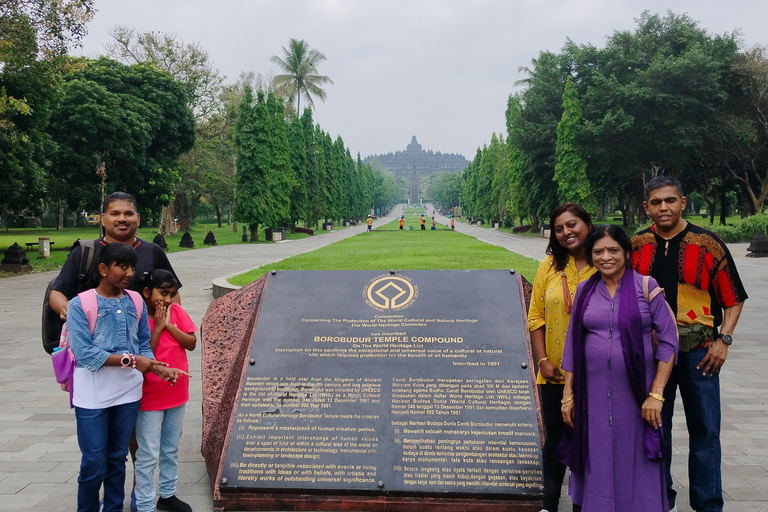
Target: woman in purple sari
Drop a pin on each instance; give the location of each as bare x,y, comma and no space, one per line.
615,375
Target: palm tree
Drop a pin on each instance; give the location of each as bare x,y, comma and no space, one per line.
300,65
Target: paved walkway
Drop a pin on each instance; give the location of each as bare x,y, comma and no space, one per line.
39,457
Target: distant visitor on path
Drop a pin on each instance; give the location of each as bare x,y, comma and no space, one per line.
423,223
564,267
615,375
402,222
704,289
453,226
370,222
120,219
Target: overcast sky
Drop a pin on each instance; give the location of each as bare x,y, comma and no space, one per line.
438,69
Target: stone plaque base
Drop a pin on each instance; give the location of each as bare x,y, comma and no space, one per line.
372,391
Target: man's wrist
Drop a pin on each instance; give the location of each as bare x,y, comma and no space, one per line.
725,338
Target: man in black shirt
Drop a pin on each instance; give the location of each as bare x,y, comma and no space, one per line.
120,220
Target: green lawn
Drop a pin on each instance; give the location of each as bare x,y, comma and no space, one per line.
386,247
64,239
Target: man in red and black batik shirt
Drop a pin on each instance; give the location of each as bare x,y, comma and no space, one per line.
703,288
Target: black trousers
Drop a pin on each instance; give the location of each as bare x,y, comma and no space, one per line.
554,471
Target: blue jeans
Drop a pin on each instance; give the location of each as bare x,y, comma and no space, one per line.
701,401
103,436
157,434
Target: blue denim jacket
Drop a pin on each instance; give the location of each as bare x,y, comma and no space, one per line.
117,332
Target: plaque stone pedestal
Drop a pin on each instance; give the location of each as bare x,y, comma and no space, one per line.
372,390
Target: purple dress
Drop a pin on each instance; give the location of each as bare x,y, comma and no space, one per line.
621,479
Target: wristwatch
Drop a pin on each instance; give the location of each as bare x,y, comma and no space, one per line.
726,338
125,361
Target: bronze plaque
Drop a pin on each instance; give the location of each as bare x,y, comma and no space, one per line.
371,382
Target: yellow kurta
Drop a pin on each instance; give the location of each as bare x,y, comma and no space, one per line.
548,307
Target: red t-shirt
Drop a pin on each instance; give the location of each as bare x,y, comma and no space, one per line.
157,394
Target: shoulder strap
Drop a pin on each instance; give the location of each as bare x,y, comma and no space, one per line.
86,259
90,303
138,303
650,296
654,293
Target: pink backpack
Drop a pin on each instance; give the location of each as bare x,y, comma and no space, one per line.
63,358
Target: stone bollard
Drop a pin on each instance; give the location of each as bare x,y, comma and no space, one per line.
159,240
186,241
210,239
15,260
758,247
43,248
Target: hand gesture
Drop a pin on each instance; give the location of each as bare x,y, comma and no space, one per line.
169,374
145,364
162,314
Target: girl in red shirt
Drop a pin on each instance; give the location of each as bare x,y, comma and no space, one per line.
159,425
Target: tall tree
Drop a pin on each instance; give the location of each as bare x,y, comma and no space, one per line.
34,37
298,154
281,176
264,174
134,119
315,169
570,167
519,202
745,127
252,143
190,65
301,76
535,133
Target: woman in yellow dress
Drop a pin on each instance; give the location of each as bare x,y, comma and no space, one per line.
553,287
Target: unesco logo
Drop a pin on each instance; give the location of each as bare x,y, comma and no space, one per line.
390,293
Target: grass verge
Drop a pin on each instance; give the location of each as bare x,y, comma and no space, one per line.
386,247
64,239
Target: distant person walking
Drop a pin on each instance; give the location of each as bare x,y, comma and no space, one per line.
423,223
453,224
402,221
370,222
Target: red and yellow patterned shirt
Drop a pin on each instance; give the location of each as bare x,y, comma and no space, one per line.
695,269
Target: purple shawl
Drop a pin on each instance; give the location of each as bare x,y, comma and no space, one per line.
574,446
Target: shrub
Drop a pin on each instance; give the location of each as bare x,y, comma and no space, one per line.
744,230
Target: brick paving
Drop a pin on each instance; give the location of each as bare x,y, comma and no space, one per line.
39,457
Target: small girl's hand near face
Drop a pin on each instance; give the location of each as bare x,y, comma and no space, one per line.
162,315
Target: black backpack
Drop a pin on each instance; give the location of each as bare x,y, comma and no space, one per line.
52,323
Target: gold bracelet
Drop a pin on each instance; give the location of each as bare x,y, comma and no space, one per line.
538,363
567,400
656,396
